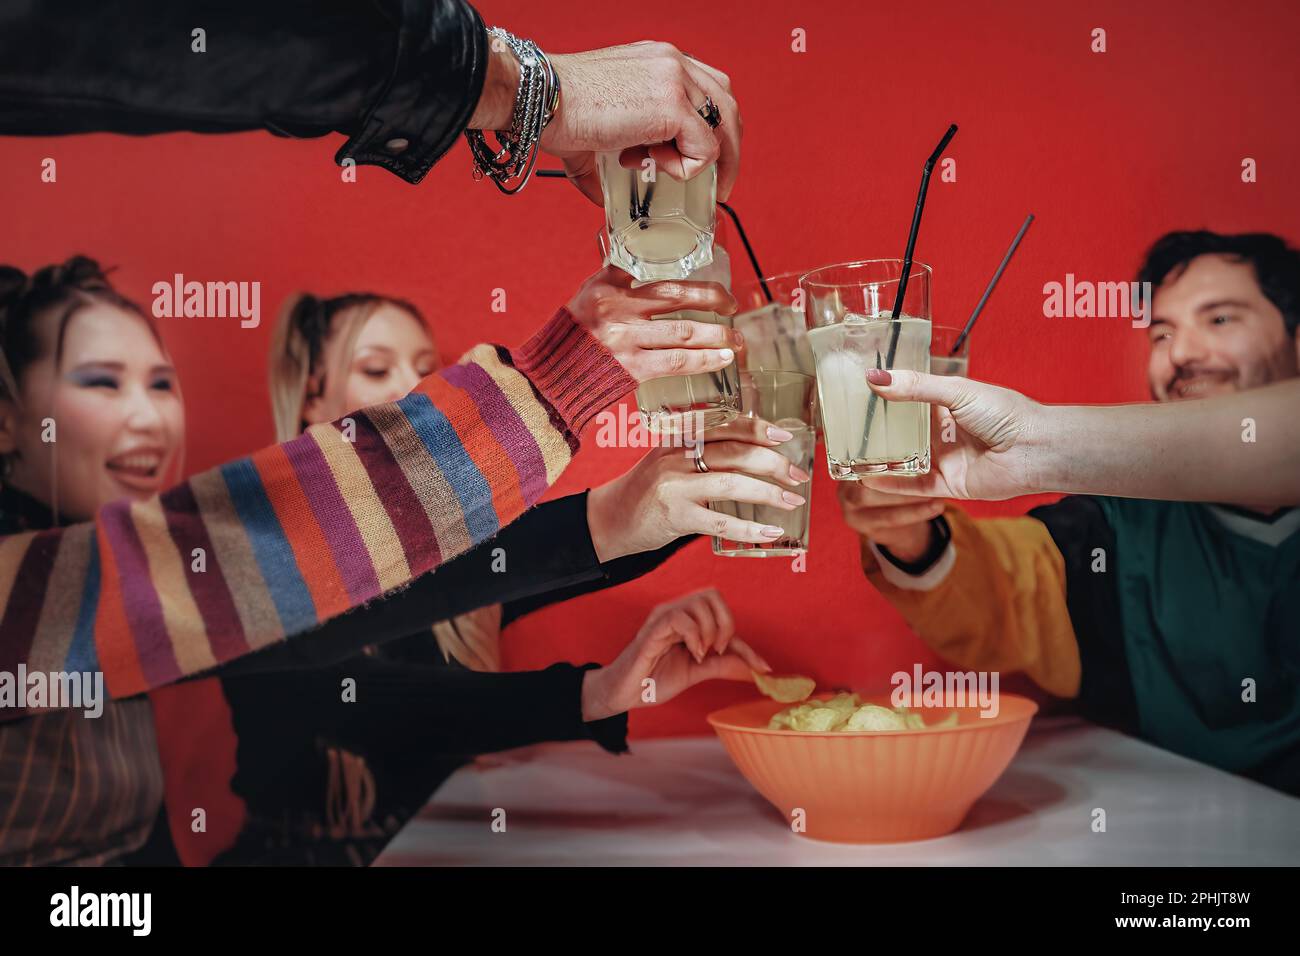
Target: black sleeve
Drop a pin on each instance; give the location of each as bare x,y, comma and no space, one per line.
424,710
613,573
940,536
547,549
400,78
1084,537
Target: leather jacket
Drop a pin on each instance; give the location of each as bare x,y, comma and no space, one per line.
399,78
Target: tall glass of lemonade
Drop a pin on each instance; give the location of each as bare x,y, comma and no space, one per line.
778,385
851,328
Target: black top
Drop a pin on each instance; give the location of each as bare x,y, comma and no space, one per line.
549,557
1079,528
21,512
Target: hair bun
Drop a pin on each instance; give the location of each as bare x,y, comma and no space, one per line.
78,272
85,273
13,283
309,318
307,313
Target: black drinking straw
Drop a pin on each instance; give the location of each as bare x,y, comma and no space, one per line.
970,323
907,265
740,231
749,250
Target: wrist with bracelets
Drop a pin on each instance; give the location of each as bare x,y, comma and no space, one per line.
510,163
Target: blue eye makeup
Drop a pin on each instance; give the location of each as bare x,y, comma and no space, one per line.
92,378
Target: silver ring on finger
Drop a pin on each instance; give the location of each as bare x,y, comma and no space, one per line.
700,466
710,113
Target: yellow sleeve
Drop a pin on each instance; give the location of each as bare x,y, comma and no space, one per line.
995,601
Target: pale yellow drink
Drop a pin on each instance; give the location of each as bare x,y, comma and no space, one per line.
775,338
690,403
660,227
897,440
784,399
950,365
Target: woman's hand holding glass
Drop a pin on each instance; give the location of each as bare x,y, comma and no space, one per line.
665,496
620,318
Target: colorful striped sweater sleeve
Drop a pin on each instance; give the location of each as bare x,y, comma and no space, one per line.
272,545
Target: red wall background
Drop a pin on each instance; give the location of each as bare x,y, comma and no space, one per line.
1107,150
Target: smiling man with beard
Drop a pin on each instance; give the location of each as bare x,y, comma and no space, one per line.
1224,315
1176,622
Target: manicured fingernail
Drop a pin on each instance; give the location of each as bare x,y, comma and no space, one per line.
771,532
799,475
737,339
727,355
879,376
778,434
790,498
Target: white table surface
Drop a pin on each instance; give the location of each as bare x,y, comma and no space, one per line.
681,802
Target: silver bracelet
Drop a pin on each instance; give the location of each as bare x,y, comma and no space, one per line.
510,163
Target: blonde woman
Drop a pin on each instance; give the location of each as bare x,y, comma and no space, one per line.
331,356
326,780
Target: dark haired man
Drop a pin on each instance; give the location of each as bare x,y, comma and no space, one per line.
1176,622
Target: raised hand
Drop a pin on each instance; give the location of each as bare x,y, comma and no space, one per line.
900,523
643,94
620,318
993,429
664,496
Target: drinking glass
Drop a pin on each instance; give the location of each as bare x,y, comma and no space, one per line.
943,360
784,398
849,312
771,318
658,227
690,404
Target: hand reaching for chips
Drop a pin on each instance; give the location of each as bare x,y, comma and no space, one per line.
681,643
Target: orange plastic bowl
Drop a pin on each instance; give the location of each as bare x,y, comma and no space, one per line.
875,786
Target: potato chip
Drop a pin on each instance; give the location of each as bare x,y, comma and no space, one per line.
844,702
846,712
819,719
785,690
871,717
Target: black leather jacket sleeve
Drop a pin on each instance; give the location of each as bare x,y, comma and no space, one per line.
399,78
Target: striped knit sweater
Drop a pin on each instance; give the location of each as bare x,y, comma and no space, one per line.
300,532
